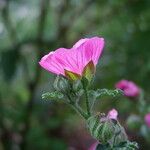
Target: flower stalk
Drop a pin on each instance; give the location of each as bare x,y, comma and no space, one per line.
87,102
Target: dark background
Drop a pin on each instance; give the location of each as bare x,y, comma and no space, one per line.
29,29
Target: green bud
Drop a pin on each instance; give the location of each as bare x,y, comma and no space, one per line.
77,85
119,135
101,129
61,84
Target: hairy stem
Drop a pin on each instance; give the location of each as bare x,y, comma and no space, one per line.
87,102
76,107
79,110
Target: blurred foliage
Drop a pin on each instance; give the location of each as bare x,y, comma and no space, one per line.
30,29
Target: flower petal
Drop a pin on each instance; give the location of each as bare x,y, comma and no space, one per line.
75,58
94,47
89,49
49,63
113,114
68,59
80,42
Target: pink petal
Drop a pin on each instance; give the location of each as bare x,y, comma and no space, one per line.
75,58
113,114
93,146
122,84
96,45
49,63
147,119
130,88
90,49
68,59
80,42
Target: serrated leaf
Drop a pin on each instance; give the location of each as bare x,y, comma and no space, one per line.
127,145
103,92
52,95
103,147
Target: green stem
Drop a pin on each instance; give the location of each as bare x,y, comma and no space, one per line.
85,87
80,111
77,108
87,102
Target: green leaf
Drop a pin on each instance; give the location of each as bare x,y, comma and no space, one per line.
52,95
89,71
103,147
107,92
127,145
71,75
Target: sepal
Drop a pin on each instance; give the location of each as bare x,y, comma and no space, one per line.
72,76
89,71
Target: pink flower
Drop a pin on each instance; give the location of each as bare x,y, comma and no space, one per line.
130,88
93,146
147,119
112,114
72,62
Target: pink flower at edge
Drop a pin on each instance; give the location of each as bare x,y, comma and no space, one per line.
74,59
93,146
147,119
112,114
130,88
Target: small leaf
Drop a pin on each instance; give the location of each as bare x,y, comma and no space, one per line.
103,147
114,93
89,71
52,95
127,145
71,75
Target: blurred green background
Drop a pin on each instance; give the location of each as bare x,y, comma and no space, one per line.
29,29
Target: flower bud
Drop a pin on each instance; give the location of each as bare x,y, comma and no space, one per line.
129,88
61,84
77,85
101,129
119,135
